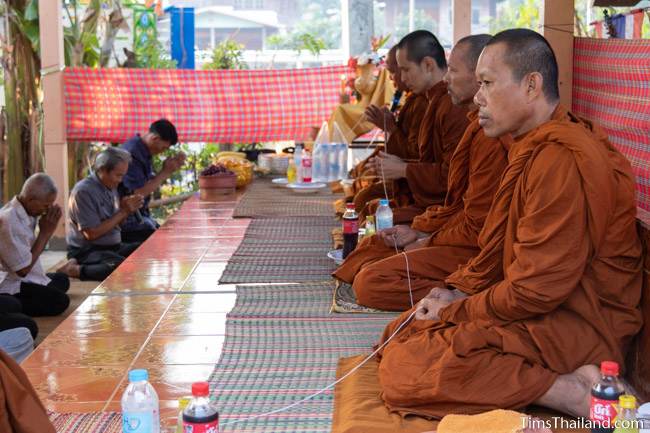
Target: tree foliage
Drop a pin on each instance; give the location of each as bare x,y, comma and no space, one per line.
227,54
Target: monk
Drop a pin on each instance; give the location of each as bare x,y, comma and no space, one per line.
21,411
422,64
556,287
444,237
402,135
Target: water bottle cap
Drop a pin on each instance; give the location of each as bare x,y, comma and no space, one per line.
383,202
609,368
627,401
138,375
370,219
200,389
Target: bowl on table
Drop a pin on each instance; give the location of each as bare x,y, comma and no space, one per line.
336,256
280,181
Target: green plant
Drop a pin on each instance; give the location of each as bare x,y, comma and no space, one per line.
227,54
152,55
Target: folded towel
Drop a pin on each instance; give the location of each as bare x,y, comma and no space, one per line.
495,421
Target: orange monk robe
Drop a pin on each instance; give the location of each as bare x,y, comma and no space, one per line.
21,411
556,285
425,184
402,142
378,275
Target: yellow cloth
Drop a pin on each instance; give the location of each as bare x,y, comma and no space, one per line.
494,421
347,116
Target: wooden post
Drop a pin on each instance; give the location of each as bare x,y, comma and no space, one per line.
461,19
54,129
557,18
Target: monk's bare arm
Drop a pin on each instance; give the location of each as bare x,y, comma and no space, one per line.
551,247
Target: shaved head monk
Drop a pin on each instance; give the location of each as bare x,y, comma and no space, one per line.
402,134
422,183
444,237
556,287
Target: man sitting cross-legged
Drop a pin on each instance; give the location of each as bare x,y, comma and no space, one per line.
448,232
556,287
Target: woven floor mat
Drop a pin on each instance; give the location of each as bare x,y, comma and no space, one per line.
263,199
94,422
345,301
310,300
282,250
270,359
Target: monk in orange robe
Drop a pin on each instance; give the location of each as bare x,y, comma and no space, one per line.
402,136
21,411
556,287
447,234
423,183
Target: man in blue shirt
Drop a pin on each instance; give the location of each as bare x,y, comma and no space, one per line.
141,179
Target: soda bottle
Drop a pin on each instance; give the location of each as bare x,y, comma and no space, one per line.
182,404
291,171
140,410
200,416
370,225
384,215
604,396
350,229
306,167
626,421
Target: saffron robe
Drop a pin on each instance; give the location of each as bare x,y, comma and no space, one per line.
425,184
402,142
378,275
21,411
556,285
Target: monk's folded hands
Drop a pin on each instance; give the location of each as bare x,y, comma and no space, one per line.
398,236
438,298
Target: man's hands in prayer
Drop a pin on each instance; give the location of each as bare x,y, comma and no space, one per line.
381,117
49,220
399,236
392,166
438,298
174,163
131,203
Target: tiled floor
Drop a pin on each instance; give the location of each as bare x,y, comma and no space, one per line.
162,309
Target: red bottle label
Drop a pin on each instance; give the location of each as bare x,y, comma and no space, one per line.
603,411
350,226
204,427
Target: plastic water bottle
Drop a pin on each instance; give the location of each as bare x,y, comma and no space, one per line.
370,225
140,410
604,398
200,416
333,162
383,216
626,421
297,160
319,163
343,161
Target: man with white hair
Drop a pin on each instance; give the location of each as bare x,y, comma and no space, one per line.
21,273
95,214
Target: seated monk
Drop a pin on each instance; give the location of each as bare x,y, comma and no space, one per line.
402,136
556,287
422,183
449,232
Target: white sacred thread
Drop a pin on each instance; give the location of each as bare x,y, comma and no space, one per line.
331,385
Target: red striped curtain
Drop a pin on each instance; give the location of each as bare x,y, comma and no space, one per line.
611,86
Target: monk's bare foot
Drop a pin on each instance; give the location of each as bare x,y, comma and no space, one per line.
71,268
571,393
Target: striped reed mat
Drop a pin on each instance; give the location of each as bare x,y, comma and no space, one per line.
96,422
263,199
282,250
282,345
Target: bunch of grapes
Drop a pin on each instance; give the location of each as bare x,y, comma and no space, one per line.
215,170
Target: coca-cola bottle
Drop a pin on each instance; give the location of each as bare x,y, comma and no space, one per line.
200,416
350,229
604,397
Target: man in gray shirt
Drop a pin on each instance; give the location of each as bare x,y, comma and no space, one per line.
95,214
